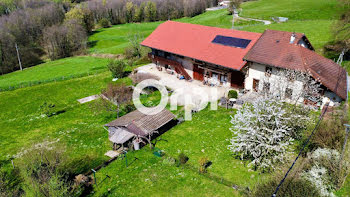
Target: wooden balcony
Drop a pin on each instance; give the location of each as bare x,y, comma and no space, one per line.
177,66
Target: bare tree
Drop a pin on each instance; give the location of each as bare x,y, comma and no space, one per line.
64,40
234,5
118,94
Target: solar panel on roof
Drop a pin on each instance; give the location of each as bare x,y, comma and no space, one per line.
231,41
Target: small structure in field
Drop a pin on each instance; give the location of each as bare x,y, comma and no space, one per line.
280,19
135,126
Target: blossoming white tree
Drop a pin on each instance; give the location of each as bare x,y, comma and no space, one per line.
261,131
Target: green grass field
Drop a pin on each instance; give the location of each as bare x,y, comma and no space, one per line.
79,126
292,9
317,31
201,137
314,18
47,72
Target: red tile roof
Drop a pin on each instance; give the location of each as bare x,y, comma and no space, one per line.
273,48
195,41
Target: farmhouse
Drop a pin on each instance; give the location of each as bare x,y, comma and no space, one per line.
240,59
136,125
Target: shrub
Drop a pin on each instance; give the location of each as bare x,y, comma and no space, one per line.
44,174
130,107
104,23
232,94
203,162
318,175
292,187
10,182
324,171
330,134
169,161
47,109
182,158
117,68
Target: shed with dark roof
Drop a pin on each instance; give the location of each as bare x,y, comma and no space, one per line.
137,123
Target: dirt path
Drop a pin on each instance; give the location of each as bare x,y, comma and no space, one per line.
266,22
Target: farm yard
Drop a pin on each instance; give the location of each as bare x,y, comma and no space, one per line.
77,129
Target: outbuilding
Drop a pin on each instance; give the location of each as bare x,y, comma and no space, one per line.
135,126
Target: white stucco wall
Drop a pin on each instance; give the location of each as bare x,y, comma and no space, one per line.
278,85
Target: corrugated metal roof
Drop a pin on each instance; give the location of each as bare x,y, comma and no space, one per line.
141,124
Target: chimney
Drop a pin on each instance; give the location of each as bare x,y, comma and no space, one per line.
292,38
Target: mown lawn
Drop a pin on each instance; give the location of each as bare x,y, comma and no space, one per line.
59,69
114,40
77,126
201,137
317,31
292,9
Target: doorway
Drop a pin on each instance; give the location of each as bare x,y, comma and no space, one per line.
255,85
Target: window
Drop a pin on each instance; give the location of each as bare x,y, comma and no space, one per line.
223,78
291,76
255,85
266,87
268,71
215,75
289,93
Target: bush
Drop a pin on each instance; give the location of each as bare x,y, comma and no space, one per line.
169,161
292,187
324,170
44,174
232,94
10,182
104,23
330,133
203,163
47,109
182,158
117,68
130,107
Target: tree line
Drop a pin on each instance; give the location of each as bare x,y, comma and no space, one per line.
57,29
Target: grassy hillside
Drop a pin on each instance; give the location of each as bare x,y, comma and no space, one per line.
293,9
317,31
54,70
151,176
114,40
314,18
21,118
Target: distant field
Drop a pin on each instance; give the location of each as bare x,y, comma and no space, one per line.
67,67
317,31
293,9
113,40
